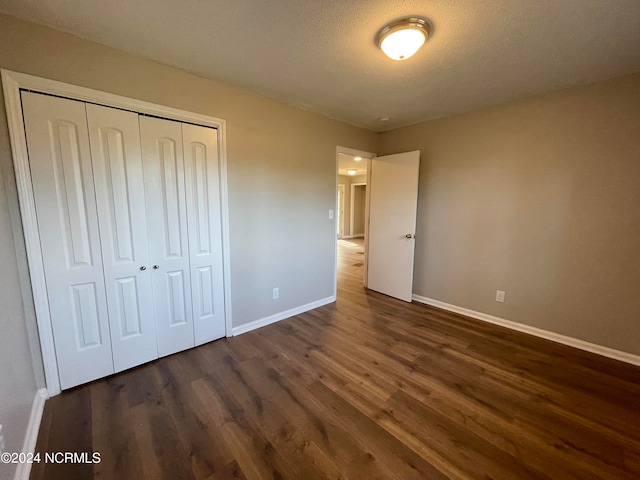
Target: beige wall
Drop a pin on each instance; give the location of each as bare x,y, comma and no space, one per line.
281,235
17,377
540,198
347,180
359,203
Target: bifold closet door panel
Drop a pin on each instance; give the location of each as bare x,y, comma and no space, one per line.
117,168
62,179
202,181
168,240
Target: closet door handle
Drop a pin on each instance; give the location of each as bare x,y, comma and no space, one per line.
143,267
155,267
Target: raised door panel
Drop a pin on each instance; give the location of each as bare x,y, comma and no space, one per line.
118,173
64,193
205,231
168,237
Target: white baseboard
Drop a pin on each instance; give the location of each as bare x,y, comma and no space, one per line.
262,322
31,437
538,332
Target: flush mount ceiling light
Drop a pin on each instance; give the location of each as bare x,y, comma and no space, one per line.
352,171
357,159
401,39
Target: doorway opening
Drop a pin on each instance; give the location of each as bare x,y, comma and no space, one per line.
351,220
386,243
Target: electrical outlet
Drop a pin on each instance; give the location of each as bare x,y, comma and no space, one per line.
1,440
276,293
500,296
331,214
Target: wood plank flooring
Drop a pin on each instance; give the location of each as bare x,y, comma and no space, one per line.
367,388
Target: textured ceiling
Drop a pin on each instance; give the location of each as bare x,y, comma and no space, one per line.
320,54
345,162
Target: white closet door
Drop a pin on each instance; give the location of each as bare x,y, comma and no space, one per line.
168,241
62,178
117,167
205,231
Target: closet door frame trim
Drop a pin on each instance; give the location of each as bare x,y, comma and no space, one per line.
13,83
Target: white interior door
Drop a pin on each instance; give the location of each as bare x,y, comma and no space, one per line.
63,187
117,167
393,201
202,184
164,186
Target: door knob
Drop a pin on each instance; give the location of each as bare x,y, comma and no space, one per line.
143,267
408,235
155,267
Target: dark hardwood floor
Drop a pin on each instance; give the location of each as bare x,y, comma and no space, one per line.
366,388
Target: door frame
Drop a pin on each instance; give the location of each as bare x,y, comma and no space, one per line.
13,83
368,156
341,194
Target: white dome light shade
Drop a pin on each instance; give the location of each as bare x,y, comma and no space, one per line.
402,44
352,171
401,39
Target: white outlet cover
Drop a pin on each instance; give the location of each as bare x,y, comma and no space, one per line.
500,296
331,214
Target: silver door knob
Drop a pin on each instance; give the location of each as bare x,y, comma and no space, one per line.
155,267
408,235
143,267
